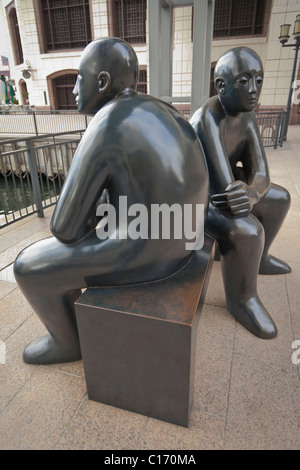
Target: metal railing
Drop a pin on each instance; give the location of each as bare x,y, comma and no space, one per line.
271,126
270,123
32,170
32,173
31,121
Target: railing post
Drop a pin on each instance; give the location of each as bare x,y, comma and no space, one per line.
278,120
283,125
34,178
32,111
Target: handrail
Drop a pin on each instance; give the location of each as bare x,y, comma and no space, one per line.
42,136
33,172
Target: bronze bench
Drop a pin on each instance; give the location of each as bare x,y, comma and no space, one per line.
138,342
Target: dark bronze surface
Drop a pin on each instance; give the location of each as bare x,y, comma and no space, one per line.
138,342
136,146
246,211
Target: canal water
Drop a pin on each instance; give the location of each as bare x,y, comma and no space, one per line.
16,192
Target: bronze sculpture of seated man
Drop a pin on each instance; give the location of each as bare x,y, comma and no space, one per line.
136,147
245,210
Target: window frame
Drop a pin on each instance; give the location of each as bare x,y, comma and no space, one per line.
264,25
51,85
267,16
42,35
111,8
15,35
143,83
64,87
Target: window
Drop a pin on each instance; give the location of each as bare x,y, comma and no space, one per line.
212,90
24,92
142,83
66,24
239,17
63,90
15,35
130,20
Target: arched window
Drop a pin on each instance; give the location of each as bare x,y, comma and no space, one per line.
15,34
64,86
61,85
23,92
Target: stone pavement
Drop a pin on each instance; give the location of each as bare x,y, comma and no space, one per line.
246,389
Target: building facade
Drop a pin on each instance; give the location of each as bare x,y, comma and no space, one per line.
251,23
48,36
47,39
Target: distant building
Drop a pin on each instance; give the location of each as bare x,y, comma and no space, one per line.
252,23
47,38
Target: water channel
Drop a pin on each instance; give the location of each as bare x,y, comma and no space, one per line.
16,192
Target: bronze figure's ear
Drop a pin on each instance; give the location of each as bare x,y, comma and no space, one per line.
220,85
104,82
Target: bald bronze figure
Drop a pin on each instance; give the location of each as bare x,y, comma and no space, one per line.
246,211
137,147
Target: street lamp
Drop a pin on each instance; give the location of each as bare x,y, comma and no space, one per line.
283,38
